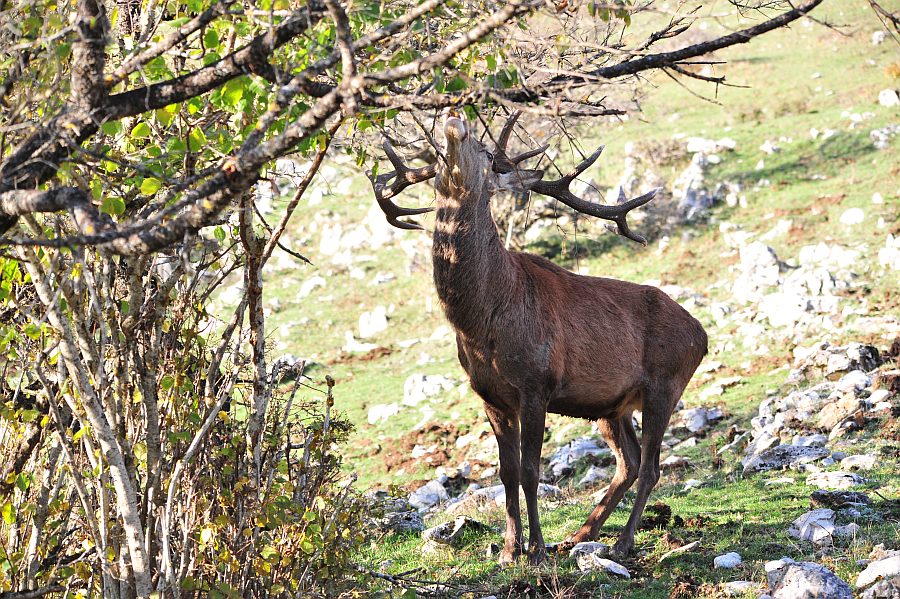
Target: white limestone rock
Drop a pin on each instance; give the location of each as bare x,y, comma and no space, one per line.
730,560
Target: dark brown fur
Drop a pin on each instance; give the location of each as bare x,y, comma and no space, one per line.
534,338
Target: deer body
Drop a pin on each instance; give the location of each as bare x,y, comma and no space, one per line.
534,337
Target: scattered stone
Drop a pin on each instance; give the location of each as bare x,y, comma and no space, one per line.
804,580
769,148
686,444
696,145
889,255
835,480
587,548
878,396
881,138
878,37
832,360
739,443
381,412
727,561
694,419
419,387
883,589
848,530
311,284
594,562
884,568
888,98
855,380
397,514
450,533
782,456
839,499
865,461
373,322
494,495
853,216
461,471
594,475
836,412
564,460
740,588
351,345
697,419
692,483
816,526
817,440
428,495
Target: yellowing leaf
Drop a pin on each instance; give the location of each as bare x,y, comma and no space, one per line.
150,186
140,131
8,513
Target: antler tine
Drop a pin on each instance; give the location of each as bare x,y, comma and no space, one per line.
559,189
504,163
507,130
402,178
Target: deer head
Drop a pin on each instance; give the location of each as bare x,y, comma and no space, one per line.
473,170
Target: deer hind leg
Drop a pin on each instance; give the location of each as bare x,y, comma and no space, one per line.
506,430
657,411
532,438
621,438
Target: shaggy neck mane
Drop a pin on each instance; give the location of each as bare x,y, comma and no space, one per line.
471,266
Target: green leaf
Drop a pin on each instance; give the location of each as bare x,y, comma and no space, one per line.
150,186
23,481
167,382
140,131
219,234
234,90
113,206
211,38
196,140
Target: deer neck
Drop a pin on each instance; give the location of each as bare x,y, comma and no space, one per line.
471,266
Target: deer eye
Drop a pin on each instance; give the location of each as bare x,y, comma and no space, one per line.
489,155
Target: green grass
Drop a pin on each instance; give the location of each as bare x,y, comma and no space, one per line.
810,181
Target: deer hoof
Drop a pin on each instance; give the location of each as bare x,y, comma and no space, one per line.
537,557
508,558
623,547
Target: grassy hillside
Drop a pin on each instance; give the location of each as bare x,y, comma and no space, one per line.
799,80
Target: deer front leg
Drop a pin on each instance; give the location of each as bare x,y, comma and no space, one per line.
506,430
620,436
532,438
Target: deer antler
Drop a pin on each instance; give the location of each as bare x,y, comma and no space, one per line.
504,163
402,177
559,188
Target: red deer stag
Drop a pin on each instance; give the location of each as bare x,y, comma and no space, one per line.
534,337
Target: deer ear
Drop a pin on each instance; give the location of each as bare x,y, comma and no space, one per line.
519,180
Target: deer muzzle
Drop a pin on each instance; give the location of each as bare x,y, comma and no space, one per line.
455,129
